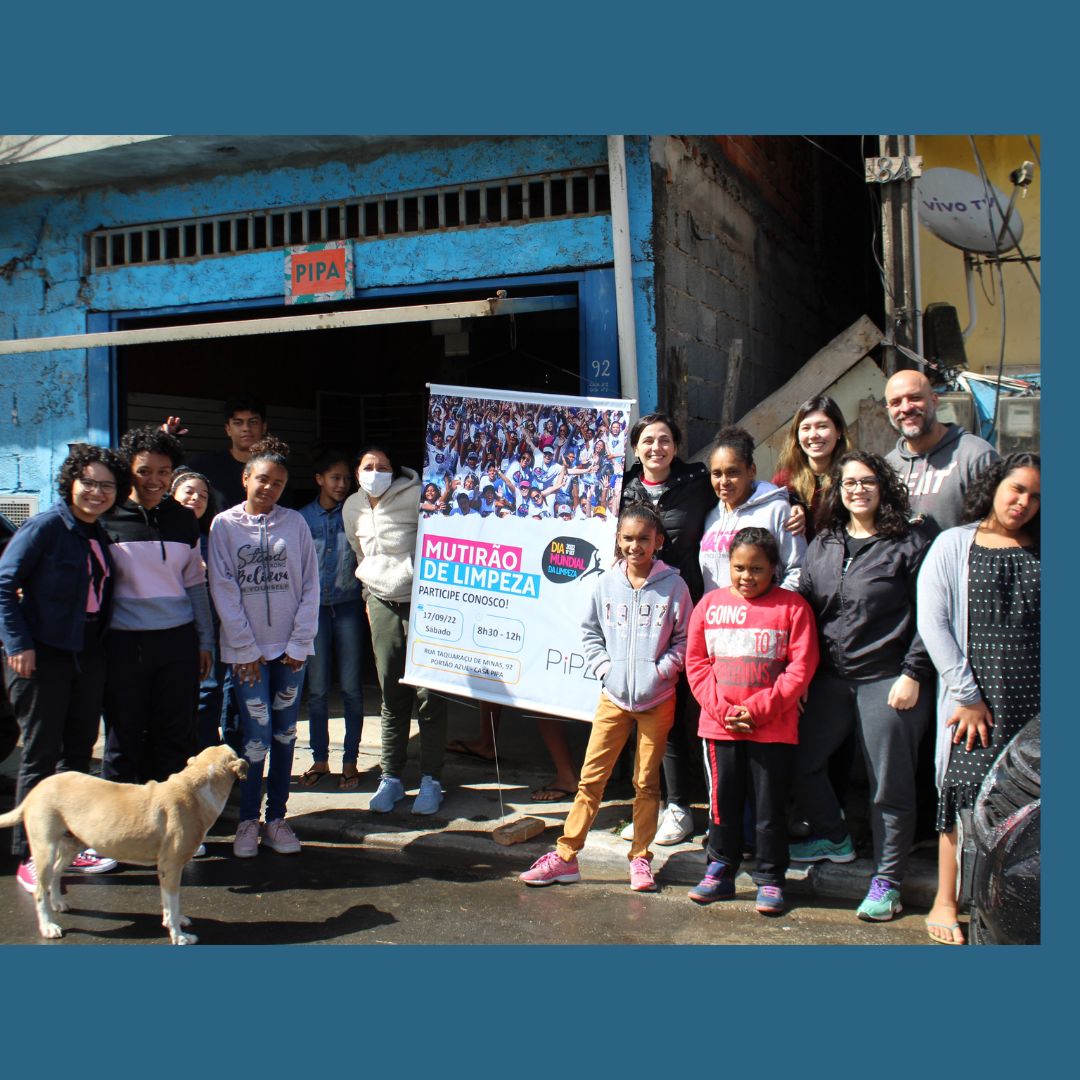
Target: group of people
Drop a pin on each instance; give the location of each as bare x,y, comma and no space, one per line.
513,460
772,621
918,589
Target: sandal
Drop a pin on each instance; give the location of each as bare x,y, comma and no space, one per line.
314,775
349,781
549,793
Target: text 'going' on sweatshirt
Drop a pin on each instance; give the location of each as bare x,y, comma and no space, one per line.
759,653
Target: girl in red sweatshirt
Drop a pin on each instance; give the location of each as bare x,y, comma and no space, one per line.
751,653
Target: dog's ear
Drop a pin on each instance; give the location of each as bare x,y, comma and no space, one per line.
240,767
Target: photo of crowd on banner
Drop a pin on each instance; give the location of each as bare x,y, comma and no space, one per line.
523,460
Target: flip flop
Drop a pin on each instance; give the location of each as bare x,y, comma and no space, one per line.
551,794
349,782
312,776
459,746
951,928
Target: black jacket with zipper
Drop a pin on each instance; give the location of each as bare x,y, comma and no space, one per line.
866,616
683,508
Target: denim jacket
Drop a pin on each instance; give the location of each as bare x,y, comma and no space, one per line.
337,561
47,559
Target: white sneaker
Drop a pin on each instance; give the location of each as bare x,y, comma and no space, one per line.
628,831
390,791
246,843
278,836
430,796
676,825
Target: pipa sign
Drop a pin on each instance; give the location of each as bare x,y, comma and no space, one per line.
319,272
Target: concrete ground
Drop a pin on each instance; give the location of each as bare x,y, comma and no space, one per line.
482,796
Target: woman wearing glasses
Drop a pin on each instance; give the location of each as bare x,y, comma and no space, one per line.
875,676
56,580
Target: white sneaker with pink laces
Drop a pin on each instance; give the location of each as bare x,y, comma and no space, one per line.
277,836
246,842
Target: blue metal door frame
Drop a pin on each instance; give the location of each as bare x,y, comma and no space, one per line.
598,349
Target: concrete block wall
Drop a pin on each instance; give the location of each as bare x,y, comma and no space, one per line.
743,268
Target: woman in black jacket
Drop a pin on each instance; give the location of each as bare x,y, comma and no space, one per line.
681,494
55,603
874,676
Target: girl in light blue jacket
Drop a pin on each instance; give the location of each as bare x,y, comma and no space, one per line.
341,625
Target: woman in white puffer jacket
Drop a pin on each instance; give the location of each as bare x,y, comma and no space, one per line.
380,522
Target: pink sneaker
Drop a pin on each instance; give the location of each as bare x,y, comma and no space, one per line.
90,862
246,842
26,875
277,836
549,869
641,876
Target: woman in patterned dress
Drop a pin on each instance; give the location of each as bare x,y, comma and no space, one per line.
978,613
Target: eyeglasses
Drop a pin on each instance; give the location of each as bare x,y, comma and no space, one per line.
106,487
857,482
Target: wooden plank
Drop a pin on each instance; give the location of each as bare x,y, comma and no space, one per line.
822,369
855,391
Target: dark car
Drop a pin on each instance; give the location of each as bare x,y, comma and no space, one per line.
1000,875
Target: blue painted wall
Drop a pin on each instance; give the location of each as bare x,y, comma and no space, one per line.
45,289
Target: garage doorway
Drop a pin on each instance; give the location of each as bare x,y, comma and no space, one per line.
353,386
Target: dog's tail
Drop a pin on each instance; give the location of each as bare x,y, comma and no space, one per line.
12,818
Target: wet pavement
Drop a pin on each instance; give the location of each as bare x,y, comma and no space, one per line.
325,894
341,895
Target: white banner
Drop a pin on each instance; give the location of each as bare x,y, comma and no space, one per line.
518,511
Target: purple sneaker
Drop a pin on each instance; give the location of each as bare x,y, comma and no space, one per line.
713,886
770,900
549,869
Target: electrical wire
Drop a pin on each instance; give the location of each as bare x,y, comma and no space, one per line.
1038,160
875,230
1001,359
1007,221
838,160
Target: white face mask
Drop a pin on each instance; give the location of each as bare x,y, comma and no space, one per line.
375,483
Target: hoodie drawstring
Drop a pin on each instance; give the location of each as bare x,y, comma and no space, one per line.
154,526
264,551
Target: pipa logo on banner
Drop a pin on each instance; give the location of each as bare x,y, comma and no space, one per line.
569,558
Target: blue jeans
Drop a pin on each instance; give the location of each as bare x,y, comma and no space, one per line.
341,628
268,711
217,708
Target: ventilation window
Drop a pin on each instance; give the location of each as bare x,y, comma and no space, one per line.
469,206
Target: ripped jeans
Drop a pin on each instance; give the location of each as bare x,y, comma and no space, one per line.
268,712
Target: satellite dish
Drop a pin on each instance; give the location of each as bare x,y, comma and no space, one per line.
953,205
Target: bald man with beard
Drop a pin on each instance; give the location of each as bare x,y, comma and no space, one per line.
938,462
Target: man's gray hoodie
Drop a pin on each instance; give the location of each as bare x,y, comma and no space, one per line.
938,480
635,639
264,577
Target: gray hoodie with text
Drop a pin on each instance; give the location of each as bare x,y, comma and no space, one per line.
264,577
938,480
